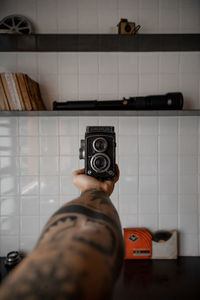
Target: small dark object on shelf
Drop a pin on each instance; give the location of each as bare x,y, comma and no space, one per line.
170,101
126,27
15,24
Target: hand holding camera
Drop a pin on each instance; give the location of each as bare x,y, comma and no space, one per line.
84,182
98,151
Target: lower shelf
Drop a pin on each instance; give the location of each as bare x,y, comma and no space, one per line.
102,113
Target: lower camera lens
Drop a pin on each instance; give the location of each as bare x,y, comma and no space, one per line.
100,144
100,163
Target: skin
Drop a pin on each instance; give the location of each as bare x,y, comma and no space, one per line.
80,251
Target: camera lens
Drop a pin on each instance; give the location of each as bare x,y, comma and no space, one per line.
100,163
128,28
100,144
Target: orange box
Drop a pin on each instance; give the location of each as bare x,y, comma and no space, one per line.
138,243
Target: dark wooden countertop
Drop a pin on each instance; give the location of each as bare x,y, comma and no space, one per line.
156,279
159,279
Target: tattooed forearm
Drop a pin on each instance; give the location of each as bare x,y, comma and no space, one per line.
80,248
98,201
100,196
64,222
107,244
79,209
46,280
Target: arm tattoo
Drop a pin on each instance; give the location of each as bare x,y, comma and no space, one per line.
102,230
47,280
79,209
70,220
95,195
87,228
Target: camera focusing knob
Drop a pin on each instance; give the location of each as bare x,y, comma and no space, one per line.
89,172
110,172
82,150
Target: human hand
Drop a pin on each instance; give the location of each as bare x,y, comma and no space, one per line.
84,182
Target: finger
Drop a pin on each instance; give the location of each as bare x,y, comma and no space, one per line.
78,172
116,176
117,173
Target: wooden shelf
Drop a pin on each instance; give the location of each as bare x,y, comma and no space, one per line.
99,42
102,113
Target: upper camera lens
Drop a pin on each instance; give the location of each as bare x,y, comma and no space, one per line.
100,144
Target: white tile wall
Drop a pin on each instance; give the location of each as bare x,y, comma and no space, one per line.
159,158
158,187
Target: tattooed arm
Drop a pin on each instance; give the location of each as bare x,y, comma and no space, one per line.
79,253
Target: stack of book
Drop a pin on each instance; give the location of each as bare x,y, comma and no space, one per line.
19,92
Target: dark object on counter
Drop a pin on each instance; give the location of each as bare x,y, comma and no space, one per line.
126,27
98,151
170,101
12,259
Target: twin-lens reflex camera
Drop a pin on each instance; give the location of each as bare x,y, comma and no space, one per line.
98,151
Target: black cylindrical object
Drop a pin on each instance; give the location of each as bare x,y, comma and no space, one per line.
170,101
12,259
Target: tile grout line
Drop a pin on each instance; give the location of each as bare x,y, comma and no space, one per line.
158,144
59,154
198,217
39,168
178,162
19,186
158,173
138,169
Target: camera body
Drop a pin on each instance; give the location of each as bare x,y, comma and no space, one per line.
98,151
126,27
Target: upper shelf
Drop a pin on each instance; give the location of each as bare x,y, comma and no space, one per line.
99,42
102,113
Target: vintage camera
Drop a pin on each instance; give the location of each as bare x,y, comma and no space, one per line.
98,151
126,27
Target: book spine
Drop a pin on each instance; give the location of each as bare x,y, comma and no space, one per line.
29,88
7,92
18,91
13,91
37,94
24,92
4,105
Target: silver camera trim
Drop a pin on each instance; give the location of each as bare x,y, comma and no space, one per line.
100,138
94,157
